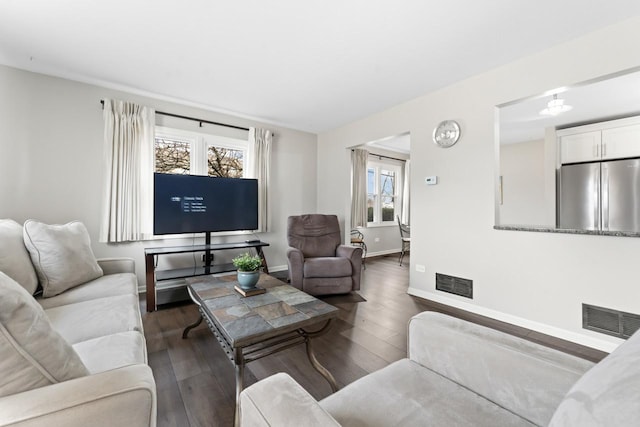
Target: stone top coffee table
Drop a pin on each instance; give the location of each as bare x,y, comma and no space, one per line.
249,328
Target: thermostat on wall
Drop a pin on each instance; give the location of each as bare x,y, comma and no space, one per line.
431,180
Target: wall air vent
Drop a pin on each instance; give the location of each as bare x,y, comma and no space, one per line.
610,322
454,285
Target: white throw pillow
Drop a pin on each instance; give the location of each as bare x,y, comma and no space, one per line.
61,255
14,258
32,353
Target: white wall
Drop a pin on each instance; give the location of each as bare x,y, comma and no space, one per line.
537,280
51,133
523,183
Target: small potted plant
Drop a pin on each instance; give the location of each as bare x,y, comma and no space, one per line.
248,270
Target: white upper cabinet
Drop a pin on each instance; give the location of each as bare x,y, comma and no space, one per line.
581,147
621,142
615,139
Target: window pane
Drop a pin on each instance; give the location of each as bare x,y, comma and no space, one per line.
371,180
387,183
387,191
172,156
225,162
388,208
371,202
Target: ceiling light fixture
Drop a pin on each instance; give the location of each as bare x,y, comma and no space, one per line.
555,106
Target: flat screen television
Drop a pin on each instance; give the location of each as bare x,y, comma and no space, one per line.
195,204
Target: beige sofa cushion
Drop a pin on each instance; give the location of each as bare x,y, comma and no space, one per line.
15,261
109,285
32,353
407,394
95,318
112,351
61,255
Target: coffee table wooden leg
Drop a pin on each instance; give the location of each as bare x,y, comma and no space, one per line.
238,361
321,369
312,357
185,333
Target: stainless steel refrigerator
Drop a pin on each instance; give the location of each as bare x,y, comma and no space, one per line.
600,196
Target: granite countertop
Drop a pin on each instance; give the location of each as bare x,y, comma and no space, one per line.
548,229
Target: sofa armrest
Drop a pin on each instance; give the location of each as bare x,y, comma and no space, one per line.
121,397
117,265
280,401
295,261
521,376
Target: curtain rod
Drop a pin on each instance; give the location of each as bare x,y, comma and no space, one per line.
201,121
386,157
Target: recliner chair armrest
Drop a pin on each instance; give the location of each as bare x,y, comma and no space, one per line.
117,265
295,261
354,255
120,397
280,401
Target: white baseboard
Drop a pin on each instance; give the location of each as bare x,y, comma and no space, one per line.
381,253
585,340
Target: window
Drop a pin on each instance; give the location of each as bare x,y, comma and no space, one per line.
183,152
384,189
172,155
225,162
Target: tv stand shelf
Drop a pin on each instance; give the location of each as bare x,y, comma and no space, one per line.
153,276
202,270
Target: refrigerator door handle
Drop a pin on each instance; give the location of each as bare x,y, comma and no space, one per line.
605,197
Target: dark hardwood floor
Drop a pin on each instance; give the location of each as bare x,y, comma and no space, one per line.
195,380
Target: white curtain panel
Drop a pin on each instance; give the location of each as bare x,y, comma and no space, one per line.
258,166
128,172
406,187
359,159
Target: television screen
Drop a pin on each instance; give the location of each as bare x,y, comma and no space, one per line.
194,204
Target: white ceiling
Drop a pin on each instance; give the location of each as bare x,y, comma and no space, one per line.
306,65
397,143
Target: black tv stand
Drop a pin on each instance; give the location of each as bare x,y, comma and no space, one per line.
153,276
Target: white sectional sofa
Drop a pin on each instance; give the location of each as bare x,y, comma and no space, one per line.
74,354
460,374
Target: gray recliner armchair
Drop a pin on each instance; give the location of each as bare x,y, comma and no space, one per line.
318,263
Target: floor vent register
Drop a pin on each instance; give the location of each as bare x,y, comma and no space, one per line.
609,321
454,285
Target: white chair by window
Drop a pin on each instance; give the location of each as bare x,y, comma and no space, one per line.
405,237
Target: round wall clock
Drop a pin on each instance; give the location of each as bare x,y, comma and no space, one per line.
446,133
